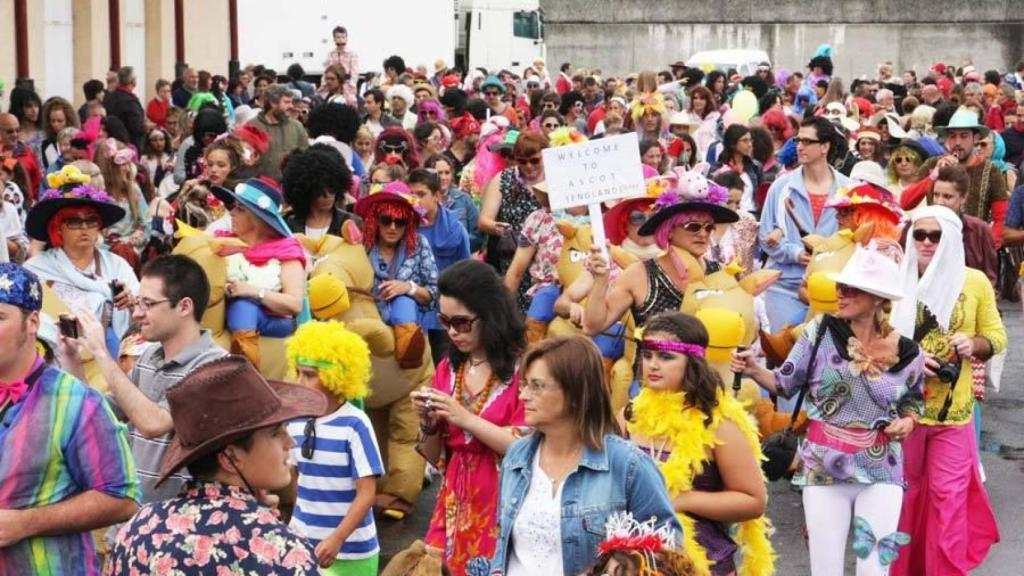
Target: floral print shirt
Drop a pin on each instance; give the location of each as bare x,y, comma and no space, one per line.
540,232
852,395
210,528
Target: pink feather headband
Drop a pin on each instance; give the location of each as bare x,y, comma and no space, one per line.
673,346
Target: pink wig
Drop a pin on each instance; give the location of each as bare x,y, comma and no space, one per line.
664,231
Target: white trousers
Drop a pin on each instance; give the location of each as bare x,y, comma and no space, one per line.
829,511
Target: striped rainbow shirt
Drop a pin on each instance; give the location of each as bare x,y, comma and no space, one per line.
60,440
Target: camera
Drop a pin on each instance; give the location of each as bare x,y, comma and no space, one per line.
68,325
948,372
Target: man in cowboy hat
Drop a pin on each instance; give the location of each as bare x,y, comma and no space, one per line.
229,426
64,457
987,197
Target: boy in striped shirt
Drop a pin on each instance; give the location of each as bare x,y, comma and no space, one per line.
337,456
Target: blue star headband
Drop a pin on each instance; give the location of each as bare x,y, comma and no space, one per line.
20,287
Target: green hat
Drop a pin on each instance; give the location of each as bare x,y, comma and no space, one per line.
963,119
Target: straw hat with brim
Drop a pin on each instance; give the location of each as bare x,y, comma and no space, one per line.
223,400
872,272
260,197
870,172
963,119
53,200
616,219
721,215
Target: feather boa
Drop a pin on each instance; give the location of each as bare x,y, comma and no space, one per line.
666,415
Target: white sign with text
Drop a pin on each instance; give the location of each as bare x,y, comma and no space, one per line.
594,172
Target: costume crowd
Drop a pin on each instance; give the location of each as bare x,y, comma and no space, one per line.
242,326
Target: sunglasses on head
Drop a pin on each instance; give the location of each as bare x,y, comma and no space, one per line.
461,324
694,227
533,161
932,236
386,221
847,291
309,439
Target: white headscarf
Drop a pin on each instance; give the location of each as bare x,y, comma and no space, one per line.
940,286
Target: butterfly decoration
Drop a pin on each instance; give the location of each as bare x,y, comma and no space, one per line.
864,542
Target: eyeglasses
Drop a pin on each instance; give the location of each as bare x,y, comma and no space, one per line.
695,227
533,161
847,291
386,221
932,236
144,304
75,223
491,93
808,141
461,324
309,439
536,387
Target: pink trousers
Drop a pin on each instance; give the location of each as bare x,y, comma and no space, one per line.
945,508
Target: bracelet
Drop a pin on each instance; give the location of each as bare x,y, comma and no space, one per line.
413,287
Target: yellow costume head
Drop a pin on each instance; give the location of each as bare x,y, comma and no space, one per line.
341,357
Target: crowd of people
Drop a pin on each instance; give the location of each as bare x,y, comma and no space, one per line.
241,326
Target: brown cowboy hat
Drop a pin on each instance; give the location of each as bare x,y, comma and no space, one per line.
222,400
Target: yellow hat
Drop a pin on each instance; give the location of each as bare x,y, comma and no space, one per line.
328,297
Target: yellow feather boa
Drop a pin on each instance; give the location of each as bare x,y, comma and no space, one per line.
664,415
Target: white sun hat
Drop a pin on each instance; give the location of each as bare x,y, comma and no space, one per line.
873,272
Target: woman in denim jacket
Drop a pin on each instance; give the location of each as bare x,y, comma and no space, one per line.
574,471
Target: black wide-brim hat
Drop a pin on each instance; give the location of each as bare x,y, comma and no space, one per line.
39,216
721,215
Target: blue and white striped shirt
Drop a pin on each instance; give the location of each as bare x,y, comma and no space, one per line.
346,450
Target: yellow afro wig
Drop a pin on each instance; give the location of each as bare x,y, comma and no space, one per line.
341,356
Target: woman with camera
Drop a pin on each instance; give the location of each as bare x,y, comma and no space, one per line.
950,310
863,381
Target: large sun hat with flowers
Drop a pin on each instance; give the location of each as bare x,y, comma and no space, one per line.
693,192
867,195
68,188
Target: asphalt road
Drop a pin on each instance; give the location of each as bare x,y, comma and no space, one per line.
1002,445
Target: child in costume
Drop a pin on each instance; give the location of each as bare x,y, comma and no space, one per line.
633,548
336,455
707,448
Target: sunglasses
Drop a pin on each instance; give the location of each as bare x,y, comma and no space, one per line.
461,324
395,148
903,160
695,227
386,221
309,439
808,141
491,93
74,223
933,236
533,161
552,125
847,291
637,218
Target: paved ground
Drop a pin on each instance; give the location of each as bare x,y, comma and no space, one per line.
1002,457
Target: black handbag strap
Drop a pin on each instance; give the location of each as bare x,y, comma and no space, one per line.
818,337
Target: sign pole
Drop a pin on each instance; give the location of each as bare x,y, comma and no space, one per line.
597,229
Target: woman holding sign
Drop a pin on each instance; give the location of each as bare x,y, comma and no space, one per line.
682,225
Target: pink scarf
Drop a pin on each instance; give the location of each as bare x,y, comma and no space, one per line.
281,249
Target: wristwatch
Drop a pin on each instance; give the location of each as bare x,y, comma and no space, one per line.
412,288
261,294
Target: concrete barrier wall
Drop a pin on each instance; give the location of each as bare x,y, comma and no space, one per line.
631,35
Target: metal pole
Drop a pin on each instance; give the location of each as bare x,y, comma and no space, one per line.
179,39
233,64
115,33
21,42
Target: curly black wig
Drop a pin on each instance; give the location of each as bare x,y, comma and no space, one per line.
310,172
339,121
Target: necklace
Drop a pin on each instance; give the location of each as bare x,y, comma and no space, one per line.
474,363
481,398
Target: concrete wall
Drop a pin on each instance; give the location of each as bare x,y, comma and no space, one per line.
631,35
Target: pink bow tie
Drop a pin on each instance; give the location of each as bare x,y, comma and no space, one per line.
12,391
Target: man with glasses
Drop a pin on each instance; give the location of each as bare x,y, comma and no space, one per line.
493,90
795,207
172,298
11,146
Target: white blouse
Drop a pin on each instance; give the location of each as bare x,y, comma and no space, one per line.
536,534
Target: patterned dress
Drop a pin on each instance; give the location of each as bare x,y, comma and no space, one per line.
464,523
847,394
517,203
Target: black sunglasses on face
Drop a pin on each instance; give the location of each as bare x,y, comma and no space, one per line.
386,221
309,439
932,236
534,161
461,324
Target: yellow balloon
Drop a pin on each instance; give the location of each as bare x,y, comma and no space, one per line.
745,105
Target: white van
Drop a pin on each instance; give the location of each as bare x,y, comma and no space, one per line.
744,61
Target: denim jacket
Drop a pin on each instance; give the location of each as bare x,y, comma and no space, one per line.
616,479
785,256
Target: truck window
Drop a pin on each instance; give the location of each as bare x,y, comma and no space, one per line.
525,25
